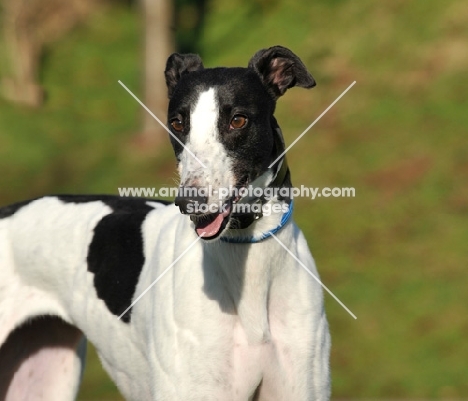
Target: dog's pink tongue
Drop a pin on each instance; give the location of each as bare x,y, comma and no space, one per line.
210,228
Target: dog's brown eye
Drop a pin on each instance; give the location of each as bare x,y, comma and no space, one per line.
238,121
177,125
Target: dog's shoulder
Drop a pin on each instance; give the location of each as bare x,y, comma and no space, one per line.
110,228
116,252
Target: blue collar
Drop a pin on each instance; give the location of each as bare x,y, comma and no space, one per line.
263,236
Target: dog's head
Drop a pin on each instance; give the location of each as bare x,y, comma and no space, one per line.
225,135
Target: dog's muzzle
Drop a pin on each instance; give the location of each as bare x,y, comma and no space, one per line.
189,201
209,219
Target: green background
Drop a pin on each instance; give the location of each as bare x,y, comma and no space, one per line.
396,254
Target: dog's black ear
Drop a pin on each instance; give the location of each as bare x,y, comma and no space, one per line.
178,65
280,69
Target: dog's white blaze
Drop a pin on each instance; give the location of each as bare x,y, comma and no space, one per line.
205,142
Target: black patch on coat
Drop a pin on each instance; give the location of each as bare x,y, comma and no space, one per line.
10,210
116,254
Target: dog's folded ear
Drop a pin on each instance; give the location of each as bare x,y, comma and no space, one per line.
178,65
280,69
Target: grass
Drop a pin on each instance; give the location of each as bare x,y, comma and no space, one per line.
396,254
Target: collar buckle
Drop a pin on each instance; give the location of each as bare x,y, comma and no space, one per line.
257,207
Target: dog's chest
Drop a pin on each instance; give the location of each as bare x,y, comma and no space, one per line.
214,326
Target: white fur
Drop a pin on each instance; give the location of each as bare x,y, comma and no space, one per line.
223,319
205,144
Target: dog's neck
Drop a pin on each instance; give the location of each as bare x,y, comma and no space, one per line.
243,274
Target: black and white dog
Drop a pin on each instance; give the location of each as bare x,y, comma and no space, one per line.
235,318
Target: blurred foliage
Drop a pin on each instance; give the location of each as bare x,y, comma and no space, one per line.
189,18
396,254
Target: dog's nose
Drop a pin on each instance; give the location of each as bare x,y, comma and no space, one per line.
189,200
